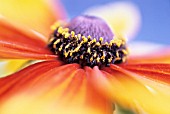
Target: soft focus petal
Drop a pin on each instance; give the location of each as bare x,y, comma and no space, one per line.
147,52
19,42
159,55
123,17
48,88
156,72
10,66
124,88
138,48
35,14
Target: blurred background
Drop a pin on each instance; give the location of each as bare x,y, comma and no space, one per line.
155,16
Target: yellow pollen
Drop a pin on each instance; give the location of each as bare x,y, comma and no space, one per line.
98,59
71,53
51,39
76,37
72,33
118,41
109,60
81,57
89,37
95,54
98,44
66,53
66,29
91,59
106,43
116,59
79,36
67,45
77,48
84,39
61,47
60,30
117,54
56,42
88,50
66,35
101,39
103,57
94,39
125,51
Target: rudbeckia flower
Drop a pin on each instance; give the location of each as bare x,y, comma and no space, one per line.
86,69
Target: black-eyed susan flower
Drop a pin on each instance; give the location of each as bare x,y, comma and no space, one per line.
86,69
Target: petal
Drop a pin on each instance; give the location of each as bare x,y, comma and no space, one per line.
126,89
16,32
155,72
35,14
123,17
19,42
161,55
18,51
44,88
10,66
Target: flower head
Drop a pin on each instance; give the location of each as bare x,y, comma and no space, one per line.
88,41
84,70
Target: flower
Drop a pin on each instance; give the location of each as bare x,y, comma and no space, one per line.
68,83
38,15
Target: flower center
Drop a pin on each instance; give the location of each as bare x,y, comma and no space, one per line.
88,41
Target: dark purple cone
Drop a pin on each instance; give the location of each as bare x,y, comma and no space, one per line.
90,25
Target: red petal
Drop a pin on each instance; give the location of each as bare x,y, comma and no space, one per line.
25,76
157,72
96,99
50,88
14,53
19,42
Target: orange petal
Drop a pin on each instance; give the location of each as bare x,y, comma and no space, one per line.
161,56
156,72
124,88
38,15
45,89
13,52
18,42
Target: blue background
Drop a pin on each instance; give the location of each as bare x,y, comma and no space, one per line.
155,16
